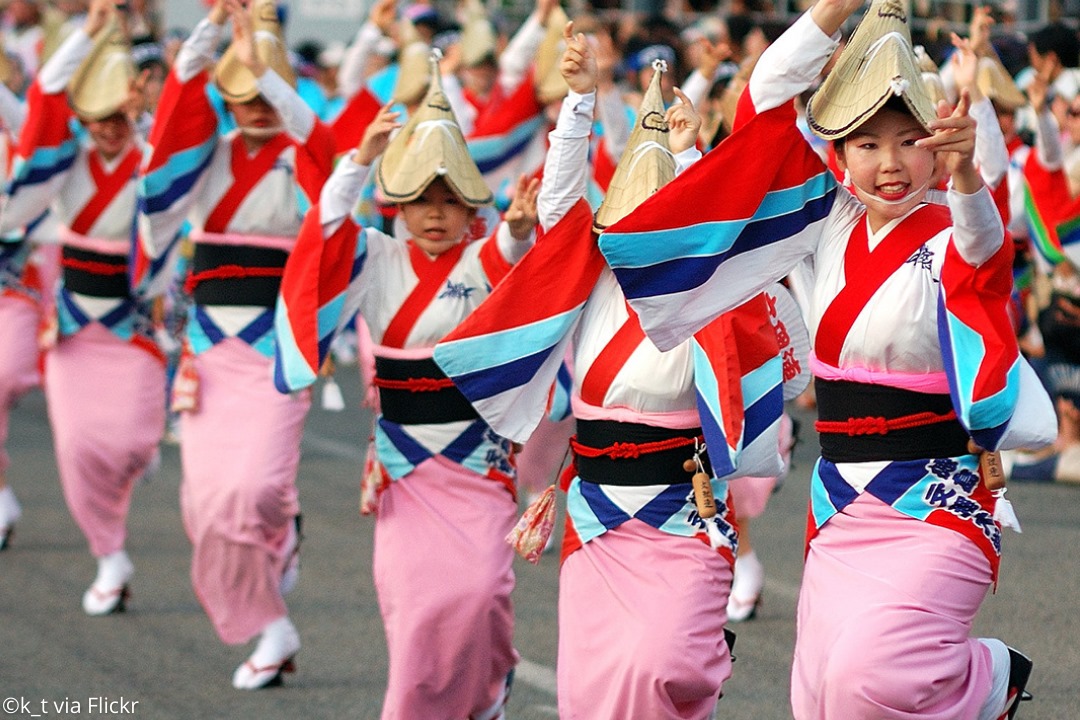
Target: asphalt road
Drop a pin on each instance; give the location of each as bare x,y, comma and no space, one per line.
162,659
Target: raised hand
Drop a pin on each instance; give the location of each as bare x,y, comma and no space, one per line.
544,8
711,56
382,15
522,215
578,64
684,123
376,136
243,27
965,64
954,136
97,15
218,13
979,31
830,15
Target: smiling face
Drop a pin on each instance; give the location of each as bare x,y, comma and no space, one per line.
438,219
890,173
110,135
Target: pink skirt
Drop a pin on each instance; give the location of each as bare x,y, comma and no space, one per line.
106,400
885,611
19,318
240,452
443,576
641,627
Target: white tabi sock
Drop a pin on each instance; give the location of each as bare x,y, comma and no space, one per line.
10,512
995,702
114,571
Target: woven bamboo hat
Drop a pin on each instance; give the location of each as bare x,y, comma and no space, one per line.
413,75
235,81
7,68
877,64
478,37
550,85
931,77
995,83
431,146
100,87
647,163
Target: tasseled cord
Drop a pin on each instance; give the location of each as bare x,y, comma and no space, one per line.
1004,513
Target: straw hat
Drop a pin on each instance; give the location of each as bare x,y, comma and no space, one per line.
7,68
995,83
878,63
235,81
647,163
550,85
931,77
431,146
99,88
478,38
413,77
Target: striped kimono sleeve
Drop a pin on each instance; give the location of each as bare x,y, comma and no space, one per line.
1052,214
315,162
731,225
182,143
311,305
507,354
505,129
738,377
43,159
996,395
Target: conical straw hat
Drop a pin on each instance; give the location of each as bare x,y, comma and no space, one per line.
878,63
478,37
413,77
100,87
7,68
235,81
995,83
431,146
647,163
550,85
931,77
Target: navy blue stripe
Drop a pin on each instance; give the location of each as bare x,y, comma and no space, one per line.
896,479
762,414
40,175
466,443
257,328
661,508
496,162
840,493
208,327
118,314
681,274
607,512
483,384
714,438
80,317
179,187
412,451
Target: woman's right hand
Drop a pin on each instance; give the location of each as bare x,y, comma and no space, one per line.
578,64
376,136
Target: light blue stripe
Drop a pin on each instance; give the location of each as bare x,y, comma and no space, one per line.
913,502
990,412
392,459
197,339
488,351
298,374
492,146
585,523
179,164
328,316
756,384
820,504
642,249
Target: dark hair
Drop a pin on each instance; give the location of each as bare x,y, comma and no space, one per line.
894,103
1060,40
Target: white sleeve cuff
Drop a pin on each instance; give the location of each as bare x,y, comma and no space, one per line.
341,193
686,158
297,117
575,116
60,68
197,52
977,228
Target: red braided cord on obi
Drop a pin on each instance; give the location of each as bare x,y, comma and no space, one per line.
91,266
881,426
414,384
230,272
631,450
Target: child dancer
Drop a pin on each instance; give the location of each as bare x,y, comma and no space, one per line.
910,328
442,570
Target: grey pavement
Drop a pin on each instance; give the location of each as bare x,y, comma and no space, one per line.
164,656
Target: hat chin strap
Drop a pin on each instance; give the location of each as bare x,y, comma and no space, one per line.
906,199
261,133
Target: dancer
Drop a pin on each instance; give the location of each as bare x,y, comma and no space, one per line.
104,347
442,569
909,310
240,440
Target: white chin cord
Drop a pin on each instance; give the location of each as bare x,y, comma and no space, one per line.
902,201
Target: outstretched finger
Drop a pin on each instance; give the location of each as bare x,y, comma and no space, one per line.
964,105
568,32
682,97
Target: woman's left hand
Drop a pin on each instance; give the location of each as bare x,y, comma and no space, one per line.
522,215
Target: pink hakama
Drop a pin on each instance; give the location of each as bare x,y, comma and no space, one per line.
443,573
884,615
19,318
543,455
635,642
240,451
106,400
